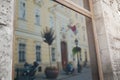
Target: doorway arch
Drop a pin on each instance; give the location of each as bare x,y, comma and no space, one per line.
64,54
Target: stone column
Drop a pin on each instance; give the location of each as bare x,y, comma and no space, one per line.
107,19
6,38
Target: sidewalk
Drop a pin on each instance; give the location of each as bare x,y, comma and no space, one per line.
84,75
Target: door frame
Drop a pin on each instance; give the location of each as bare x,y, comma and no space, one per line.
63,67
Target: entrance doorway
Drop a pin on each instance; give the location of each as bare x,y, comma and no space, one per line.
64,54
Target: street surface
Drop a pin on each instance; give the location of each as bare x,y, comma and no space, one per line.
84,75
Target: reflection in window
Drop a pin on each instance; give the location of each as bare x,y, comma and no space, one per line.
67,26
22,52
38,53
79,2
82,3
37,16
53,54
22,9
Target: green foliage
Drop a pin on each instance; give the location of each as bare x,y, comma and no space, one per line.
48,36
76,50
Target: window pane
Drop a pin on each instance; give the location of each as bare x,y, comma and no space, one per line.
82,3
53,54
53,35
21,52
38,54
22,9
37,16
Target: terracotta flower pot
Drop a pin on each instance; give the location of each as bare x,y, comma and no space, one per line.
51,72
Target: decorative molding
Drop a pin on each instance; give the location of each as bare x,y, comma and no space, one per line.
28,35
53,8
39,2
22,40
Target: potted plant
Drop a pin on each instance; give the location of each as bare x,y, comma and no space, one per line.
48,36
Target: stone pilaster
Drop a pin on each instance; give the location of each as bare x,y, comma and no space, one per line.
6,38
107,21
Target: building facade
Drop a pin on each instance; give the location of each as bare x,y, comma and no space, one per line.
31,19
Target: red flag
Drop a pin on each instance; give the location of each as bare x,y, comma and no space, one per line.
73,28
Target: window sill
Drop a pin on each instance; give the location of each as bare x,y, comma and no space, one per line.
53,62
37,24
22,19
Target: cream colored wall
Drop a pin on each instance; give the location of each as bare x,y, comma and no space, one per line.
30,15
30,43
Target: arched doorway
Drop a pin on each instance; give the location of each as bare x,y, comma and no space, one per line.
64,54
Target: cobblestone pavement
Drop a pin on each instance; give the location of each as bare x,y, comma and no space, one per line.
84,75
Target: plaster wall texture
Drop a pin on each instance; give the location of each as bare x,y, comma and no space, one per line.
107,22
6,38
